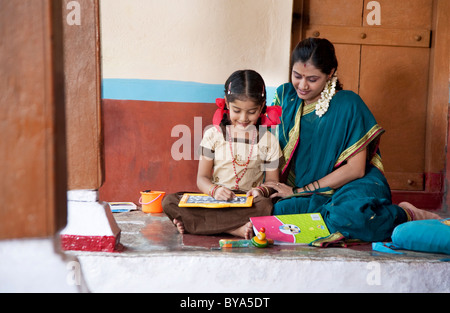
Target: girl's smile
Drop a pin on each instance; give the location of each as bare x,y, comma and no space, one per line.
244,113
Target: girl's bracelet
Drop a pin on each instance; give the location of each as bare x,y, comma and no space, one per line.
264,190
213,189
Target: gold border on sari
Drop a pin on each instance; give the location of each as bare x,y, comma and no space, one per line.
376,161
294,135
369,137
309,108
324,192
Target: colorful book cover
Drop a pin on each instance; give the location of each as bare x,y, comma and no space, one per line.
292,229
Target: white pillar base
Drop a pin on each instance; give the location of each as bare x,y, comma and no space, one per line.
90,224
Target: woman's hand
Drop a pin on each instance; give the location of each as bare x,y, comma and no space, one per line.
255,193
282,190
223,193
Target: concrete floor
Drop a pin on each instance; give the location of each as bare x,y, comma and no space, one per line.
154,257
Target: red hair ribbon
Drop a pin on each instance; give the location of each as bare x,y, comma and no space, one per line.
217,118
272,116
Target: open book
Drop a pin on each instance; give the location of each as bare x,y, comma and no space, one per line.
292,229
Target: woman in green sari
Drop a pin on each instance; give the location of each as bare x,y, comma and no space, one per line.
332,163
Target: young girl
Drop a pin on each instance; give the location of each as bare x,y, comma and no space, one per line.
237,155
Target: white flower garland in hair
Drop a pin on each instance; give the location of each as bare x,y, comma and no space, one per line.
326,95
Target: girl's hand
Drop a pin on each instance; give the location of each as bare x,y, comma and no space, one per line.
224,194
255,193
282,190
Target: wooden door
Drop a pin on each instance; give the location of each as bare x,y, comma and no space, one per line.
385,52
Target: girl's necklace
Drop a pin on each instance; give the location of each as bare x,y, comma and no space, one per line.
234,162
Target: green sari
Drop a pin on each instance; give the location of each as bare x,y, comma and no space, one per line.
315,146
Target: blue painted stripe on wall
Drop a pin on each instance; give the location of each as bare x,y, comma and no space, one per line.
164,90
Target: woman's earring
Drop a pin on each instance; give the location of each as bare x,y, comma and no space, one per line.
326,95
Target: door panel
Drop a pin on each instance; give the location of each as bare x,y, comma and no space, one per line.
371,36
348,65
394,83
333,12
403,14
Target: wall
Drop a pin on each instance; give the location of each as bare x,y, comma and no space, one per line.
195,40
164,63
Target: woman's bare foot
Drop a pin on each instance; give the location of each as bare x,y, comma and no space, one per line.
418,214
179,225
245,231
